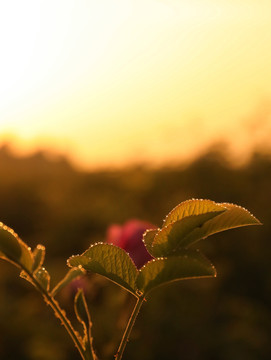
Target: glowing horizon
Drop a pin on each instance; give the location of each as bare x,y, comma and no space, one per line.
112,82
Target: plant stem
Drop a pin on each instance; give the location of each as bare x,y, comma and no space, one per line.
60,314
129,328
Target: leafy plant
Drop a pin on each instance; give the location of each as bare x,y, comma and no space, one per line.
170,247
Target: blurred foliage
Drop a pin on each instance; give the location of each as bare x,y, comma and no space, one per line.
45,200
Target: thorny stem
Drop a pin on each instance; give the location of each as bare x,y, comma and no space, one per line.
55,306
129,327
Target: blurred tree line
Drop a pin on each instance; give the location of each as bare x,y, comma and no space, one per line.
45,200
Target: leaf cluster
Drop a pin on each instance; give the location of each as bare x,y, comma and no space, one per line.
169,246
173,259
14,250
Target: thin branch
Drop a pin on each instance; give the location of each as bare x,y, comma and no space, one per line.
59,314
129,328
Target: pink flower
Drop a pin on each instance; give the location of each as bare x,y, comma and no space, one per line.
129,237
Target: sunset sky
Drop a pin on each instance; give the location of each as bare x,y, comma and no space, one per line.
111,82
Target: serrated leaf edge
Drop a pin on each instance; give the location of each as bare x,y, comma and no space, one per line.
131,290
170,256
183,203
246,210
178,279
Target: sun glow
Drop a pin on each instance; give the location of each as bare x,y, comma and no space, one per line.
112,81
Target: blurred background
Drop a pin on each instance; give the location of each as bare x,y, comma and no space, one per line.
118,110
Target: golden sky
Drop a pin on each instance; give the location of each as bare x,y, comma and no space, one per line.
115,81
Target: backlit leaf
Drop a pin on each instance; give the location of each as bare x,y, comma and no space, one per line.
38,255
169,240
81,310
43,278
71,275
148,238
193,220
13,249
82,314
192,207
109,261
188,265
235,216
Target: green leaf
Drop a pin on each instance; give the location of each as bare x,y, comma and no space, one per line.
13,249
188,265
169,240
235,216
43,277
192,207
193,220
38,255
110,261
148,238
82,314
81,310
71,275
